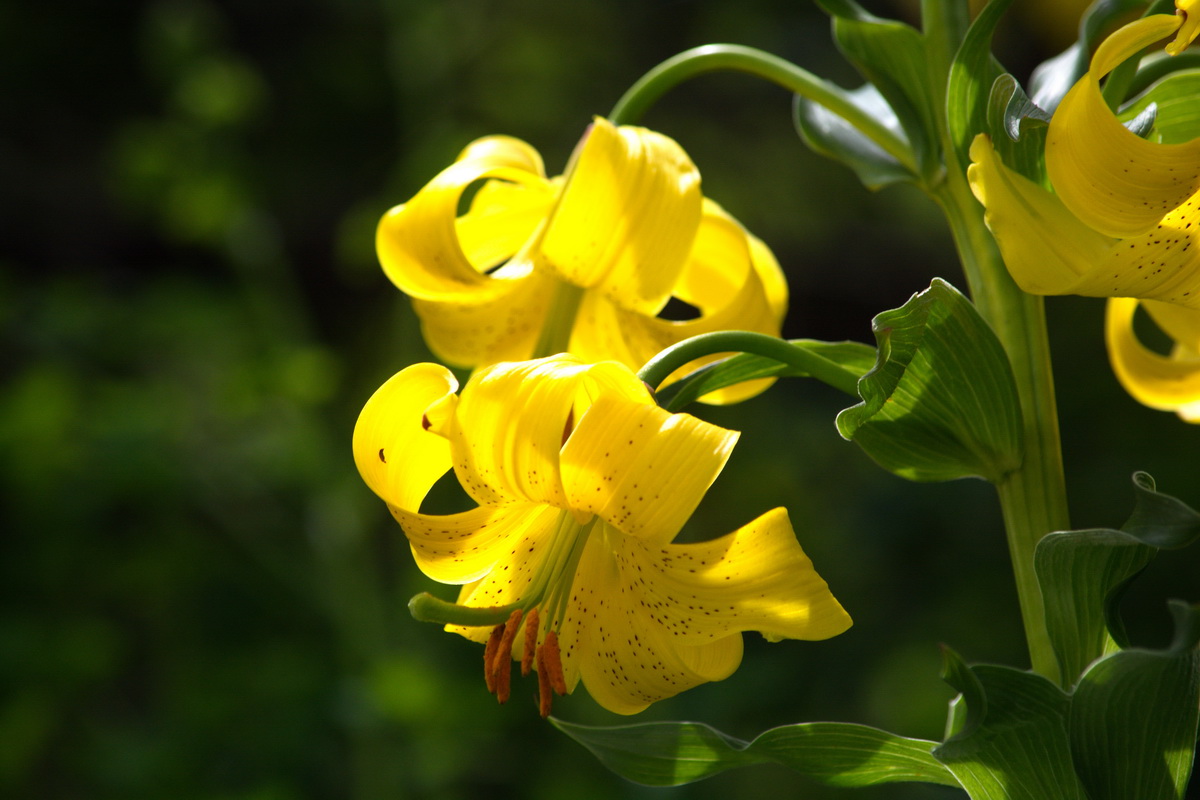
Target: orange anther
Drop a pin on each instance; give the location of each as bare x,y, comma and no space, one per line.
545,697
553,660
489,656
502,660
531,634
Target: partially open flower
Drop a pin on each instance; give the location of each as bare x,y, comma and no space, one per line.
584,262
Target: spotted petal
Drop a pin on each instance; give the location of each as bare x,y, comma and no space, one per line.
624,657
1168,383
639,468
663,619
397,457
627,216
1110,178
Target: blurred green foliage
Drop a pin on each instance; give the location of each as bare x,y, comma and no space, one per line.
202,600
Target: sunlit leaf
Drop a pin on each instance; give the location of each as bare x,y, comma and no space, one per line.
940,402
972,74
834,753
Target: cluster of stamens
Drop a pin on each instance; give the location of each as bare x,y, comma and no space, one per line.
497,660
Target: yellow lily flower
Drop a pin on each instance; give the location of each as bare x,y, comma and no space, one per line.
1122,219
1168,383
581,484
613,240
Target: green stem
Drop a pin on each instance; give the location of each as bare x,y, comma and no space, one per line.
720,57
1033,498
560,320
658,368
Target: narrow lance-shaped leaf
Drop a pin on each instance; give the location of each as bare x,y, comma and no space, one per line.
972,74
891,56
940,402
836,754
831,135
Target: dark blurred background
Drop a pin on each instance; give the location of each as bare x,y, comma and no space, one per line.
200,597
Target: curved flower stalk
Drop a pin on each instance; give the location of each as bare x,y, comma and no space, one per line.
584,262
1122,219
567,562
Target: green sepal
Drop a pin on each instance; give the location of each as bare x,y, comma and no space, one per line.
1176,99
1018,128
1014,743
833,753
940,402
1083,574
892,56
829,134
974,70
839,364
1134,717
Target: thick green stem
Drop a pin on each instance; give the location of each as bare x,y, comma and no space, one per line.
1033,498
722,57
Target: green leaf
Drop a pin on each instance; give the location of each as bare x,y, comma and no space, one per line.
1134,718
972,75
1177,101
1014,745
891,56
831,135
940,402
836,754
844,363
1084,573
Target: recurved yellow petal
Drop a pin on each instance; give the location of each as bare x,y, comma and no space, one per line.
503,217
1166,383
501,452
501,322
503,543
1046,248
397,457
628,212
1110,178
639,468
756,578
626,658
418,242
